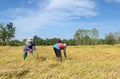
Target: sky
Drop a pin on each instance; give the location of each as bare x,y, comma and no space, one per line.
60,18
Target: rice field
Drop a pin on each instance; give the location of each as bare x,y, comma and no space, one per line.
82,62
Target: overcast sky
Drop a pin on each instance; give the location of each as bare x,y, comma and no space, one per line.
60,18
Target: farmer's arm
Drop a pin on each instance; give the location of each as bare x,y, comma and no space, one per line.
27,48
65,52
33,46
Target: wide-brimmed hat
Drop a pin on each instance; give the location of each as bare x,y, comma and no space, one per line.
29,40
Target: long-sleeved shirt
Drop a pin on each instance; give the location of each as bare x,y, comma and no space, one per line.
29,47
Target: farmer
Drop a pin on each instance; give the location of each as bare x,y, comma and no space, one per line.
30,46
57,49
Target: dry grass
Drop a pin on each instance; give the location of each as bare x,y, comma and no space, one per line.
83,62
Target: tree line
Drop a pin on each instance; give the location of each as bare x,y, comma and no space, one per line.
81,37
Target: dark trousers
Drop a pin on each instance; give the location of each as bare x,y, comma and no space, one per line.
58,54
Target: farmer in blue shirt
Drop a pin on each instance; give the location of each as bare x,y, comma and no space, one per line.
30,46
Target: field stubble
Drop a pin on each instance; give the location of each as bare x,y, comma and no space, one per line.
82,62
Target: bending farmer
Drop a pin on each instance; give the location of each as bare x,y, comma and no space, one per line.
57,49
30,46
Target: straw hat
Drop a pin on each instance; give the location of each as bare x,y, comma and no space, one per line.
29,40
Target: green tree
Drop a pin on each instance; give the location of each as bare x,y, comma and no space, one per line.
117,37
78,36
109,39
7,33
95,35
15,43
85,36
86,40
10,31
3,34
38,40
101,41
71,42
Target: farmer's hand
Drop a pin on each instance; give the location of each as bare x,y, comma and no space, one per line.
31,50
